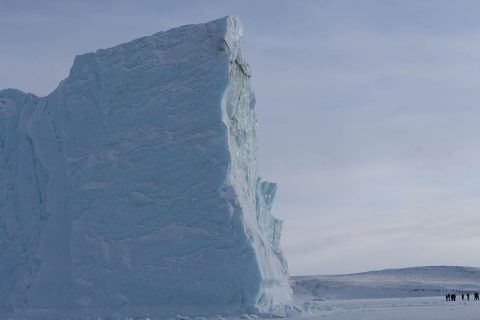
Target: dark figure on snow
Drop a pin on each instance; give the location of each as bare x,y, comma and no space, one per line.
468,296
454,297
463,297
476,296
447,297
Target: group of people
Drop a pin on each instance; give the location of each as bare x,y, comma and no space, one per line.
453,296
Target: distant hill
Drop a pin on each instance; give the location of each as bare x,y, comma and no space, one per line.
389,283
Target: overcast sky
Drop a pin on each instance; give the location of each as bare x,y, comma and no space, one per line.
368,113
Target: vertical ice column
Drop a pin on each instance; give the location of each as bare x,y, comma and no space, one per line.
254,197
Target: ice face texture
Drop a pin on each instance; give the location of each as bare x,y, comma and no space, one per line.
133,187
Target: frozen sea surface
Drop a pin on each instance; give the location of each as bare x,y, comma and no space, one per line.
418,308
421,308
408,293
404,294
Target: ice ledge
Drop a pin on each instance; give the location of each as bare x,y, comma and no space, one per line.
228,31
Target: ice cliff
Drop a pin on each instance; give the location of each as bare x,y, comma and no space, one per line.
133,189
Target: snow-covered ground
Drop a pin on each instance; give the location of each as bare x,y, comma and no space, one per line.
421,308
392,283
404,294
418,308
410,293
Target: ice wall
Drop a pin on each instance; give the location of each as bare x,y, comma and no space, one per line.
133,188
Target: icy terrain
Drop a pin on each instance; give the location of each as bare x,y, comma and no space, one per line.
400,294
390,283
410,293
419,308
133,187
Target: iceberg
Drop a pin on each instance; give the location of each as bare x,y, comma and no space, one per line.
133,189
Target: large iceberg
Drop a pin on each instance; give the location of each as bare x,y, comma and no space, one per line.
132,189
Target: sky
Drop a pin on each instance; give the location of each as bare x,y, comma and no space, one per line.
368,113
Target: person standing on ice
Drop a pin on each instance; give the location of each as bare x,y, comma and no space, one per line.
463,297
468,296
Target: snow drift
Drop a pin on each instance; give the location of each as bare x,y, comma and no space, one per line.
133,189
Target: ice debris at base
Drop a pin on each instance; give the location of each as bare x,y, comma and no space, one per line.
133,187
